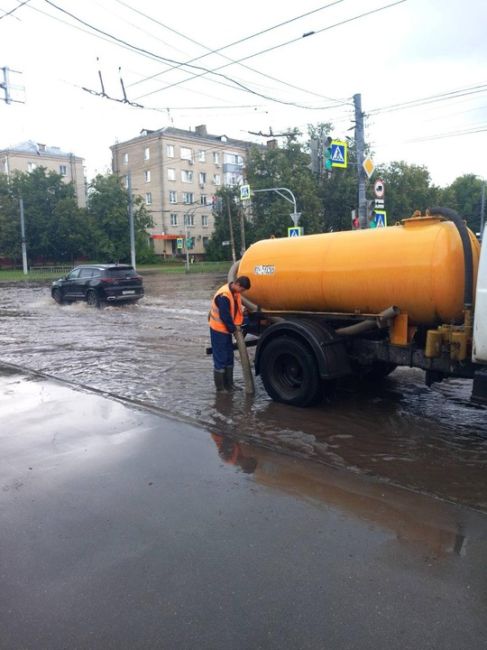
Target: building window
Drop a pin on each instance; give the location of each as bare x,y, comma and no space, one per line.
203,199
204,220
63,170
186,176
206,241
147,175
186,154
189,219
147,153
173,197
148,198
232,158
188,197
202,155
202,177
125,159
171,174
125,181
170,150
216,157
174,219
216,179
31,166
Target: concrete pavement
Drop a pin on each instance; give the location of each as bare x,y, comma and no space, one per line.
120,528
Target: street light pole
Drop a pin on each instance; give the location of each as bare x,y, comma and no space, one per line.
131,219
22,233
279,190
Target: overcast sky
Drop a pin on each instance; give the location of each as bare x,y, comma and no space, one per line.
413,50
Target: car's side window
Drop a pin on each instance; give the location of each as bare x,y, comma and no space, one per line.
96,273
86,273
74,274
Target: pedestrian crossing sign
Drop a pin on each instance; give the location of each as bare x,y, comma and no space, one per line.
339,154
380,218
295,231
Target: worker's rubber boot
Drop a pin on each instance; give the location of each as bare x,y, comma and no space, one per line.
229,385
219,378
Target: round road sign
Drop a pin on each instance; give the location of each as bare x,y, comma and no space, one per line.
379,188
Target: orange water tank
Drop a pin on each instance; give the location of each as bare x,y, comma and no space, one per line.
417,266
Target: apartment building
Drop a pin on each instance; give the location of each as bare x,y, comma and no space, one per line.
25,157
177,173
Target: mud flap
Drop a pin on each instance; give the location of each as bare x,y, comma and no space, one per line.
479,390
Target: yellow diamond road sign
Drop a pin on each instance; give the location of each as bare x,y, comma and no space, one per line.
369,166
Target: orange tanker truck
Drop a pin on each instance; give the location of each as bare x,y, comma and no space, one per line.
363,302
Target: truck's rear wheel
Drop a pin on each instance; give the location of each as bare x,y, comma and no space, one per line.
289,372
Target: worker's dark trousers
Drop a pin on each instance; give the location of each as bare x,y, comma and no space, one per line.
222,347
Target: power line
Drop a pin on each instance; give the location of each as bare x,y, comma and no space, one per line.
236,84
275,47
9,13
220,49
414,103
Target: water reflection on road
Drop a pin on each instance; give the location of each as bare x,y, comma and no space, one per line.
430,440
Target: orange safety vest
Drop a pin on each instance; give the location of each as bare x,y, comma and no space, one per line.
236,309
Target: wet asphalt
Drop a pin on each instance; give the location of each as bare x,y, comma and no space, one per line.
123,527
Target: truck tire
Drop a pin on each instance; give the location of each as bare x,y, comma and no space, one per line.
289,372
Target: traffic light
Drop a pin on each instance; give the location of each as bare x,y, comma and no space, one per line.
327,154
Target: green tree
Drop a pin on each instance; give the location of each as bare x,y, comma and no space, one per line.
107,209
54,225
464,195
228,200
407,188
10,244
288,167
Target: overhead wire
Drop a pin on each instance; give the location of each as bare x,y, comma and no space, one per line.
422,101
224,47
236,84
275,47
12,11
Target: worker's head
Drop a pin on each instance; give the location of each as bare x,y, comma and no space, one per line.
242,283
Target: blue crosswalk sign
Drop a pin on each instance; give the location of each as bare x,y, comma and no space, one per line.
339,153
380,217
295,231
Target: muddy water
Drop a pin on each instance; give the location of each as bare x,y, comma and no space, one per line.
430,440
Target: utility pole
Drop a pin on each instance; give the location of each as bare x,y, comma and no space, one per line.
360,145
242,231
232,239
7,86
22,234
131,220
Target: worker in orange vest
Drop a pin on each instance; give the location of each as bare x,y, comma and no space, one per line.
226,314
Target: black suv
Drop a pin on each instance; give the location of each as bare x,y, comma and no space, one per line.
98,284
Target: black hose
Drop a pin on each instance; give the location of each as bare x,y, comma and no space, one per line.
467,251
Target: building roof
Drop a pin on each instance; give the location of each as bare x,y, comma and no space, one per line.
38,149
198,134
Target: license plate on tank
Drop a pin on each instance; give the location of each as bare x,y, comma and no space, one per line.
128,291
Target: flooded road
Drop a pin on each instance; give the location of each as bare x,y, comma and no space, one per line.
430,440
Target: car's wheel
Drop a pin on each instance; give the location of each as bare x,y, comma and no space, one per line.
289,372
58,296
93,299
